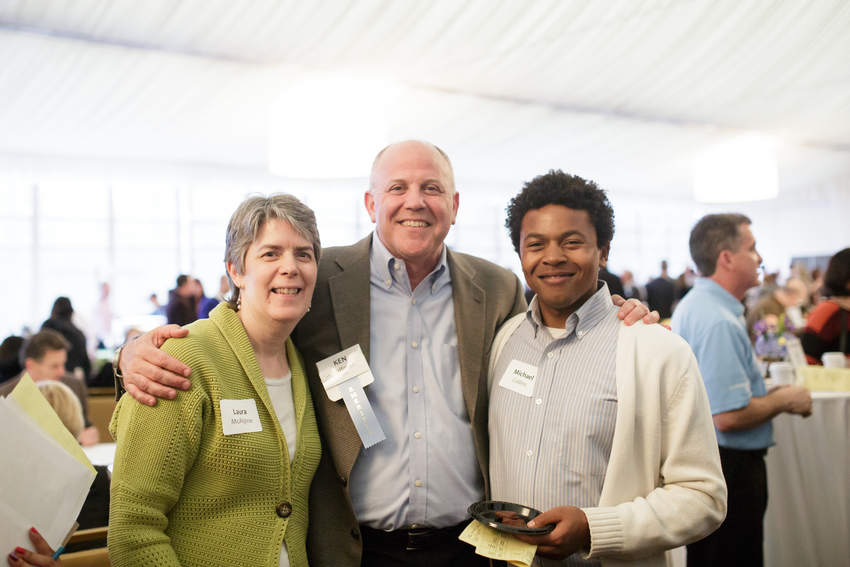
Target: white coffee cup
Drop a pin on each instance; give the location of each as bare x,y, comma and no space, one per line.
833,360
782,373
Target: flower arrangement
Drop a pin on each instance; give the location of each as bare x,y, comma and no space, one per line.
772,334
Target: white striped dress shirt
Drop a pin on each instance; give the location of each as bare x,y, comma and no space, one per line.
552,448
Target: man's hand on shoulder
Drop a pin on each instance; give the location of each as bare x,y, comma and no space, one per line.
571,533
632,311
148,373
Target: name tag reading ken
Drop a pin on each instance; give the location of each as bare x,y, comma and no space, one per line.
519,378
344,375
239,416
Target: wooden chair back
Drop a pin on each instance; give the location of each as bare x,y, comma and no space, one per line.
97,557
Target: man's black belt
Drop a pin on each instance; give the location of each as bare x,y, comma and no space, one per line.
412,539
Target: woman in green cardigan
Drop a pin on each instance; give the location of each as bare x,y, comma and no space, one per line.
221,474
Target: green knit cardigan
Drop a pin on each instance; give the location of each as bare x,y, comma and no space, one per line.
185,494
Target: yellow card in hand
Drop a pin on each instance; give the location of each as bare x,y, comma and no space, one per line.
498,545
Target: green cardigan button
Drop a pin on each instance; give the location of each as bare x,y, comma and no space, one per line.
284,509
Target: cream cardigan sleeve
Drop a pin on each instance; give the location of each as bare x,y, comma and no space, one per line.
664,486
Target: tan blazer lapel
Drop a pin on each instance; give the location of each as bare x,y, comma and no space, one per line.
469,302
349,295
350,299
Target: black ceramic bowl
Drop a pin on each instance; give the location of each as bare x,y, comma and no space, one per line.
507,517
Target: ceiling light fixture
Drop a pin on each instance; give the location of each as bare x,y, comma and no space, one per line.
328,126
742,169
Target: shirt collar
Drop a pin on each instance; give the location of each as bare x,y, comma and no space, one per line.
590,314
390,269
717,291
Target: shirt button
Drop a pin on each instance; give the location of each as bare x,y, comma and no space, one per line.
388,282
417,483
538,401
413,301
417,435
529,453
414,344
416,389
580,334
551,354
397,266
284,509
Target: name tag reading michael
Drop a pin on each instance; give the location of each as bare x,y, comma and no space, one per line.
239,416
344,375
519,377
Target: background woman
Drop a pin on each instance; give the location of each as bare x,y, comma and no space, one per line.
95,511
220,475
60,321
828,326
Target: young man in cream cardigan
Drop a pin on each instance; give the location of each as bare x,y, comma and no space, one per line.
604,427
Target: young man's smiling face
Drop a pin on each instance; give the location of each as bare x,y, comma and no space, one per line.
560,259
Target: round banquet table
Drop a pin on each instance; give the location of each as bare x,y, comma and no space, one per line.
808,477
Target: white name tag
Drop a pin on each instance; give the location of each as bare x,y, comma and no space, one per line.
519,378
346,364
239,416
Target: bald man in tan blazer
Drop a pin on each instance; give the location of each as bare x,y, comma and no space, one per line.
484,296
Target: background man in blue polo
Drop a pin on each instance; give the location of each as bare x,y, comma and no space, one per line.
710,318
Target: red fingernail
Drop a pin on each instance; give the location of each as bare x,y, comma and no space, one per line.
20,550
35,531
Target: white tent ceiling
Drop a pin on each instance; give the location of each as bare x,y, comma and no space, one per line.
627,93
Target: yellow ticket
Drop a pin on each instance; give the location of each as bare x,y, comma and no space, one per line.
498,545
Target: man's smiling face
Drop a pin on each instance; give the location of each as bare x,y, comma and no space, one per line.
413,201
560,260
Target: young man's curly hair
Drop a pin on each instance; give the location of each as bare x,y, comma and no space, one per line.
571,191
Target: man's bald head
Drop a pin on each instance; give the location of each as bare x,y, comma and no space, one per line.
408,145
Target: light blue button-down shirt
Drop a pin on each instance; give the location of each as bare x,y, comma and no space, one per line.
425,473
711,320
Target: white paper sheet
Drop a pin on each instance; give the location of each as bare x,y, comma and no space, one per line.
42,484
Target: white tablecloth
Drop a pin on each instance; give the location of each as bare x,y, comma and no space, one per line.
101,454
808,474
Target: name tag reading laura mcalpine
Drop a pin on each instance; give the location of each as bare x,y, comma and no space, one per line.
519,378
239,416
344,375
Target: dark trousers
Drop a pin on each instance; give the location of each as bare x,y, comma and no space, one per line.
418,548
739,539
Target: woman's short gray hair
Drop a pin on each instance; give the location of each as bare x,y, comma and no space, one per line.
250,217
